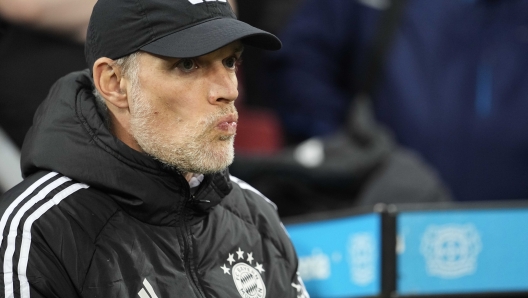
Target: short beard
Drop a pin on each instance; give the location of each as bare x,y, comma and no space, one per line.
197,150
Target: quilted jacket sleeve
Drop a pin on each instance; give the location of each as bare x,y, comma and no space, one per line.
38,246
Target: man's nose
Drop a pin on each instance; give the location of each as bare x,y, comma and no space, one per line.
223,85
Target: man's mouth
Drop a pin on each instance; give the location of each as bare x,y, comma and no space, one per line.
228,124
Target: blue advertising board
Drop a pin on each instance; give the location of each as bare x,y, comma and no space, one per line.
462,251
340,257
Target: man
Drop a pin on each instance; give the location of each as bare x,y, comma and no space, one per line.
127,193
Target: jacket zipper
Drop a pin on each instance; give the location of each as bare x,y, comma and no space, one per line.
187,248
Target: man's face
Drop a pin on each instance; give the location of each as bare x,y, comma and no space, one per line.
182,110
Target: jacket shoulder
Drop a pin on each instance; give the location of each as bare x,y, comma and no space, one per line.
253,201
254,208
49,197
43,220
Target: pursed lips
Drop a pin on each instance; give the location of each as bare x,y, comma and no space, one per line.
228,124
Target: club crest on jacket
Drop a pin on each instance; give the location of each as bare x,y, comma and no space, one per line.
246,275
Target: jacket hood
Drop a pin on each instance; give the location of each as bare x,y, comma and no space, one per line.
69,136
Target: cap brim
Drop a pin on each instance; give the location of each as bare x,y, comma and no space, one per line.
209,36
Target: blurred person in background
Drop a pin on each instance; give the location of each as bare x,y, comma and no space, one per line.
40,41
454,85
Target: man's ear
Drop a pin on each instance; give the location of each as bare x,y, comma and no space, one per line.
108,81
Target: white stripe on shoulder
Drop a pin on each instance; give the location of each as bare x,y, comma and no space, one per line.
26,236
10,249
149,289
143,294
244,185
19,199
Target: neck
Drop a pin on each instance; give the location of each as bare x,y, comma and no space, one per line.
188,176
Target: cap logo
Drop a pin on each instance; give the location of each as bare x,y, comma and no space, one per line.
194,2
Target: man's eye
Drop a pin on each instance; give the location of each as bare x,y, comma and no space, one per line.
186,65
231,62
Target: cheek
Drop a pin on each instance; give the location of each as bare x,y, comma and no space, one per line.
177,101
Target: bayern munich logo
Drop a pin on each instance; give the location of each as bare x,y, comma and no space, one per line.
247,278
248,281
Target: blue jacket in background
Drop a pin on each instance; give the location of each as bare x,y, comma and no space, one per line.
454,86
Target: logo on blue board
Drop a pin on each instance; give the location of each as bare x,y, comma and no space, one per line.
451,250
362,253
315,266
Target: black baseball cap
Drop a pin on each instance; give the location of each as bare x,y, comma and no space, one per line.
172,28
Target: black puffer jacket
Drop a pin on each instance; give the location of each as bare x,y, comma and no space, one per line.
94,218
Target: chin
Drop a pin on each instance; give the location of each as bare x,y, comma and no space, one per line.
210,159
